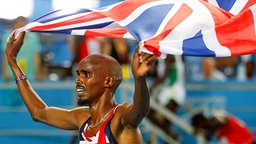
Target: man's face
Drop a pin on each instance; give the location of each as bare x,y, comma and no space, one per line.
89,83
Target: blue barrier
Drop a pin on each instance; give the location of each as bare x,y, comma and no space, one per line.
237,98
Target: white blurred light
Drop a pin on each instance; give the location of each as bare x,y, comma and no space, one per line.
11,9
70,4
53,77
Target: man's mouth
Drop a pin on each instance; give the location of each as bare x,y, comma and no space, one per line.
80,90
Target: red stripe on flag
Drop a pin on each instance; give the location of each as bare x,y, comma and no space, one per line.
219,15
183,12
238,34
248,4
124,9
86,18
106,32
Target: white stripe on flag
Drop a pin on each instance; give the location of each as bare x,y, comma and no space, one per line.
213,44
214,2
238,6
93,22
171,13
253,10
78,32
66,18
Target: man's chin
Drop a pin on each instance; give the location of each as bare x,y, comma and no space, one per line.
82,102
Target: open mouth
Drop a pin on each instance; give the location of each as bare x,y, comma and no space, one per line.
80,90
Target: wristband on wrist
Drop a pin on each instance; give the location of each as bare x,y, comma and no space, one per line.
21,78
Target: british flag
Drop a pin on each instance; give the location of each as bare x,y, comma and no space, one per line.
232,6
179,27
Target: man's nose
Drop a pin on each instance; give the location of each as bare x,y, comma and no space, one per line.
78,80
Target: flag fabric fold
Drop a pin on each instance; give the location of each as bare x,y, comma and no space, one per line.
178,27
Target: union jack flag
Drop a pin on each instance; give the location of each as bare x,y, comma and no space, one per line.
178,27
232,6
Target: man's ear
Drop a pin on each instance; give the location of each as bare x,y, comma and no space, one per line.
109,81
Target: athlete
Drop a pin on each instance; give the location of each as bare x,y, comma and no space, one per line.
99,76
224,127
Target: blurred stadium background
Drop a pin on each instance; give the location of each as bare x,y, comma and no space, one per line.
234,96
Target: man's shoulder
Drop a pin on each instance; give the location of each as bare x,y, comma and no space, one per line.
120,109
84,111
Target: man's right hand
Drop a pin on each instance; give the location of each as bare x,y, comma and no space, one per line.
13,47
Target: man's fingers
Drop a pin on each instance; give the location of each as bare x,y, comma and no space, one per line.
11,38
148,58
21,36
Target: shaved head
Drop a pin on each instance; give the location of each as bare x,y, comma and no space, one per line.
107,64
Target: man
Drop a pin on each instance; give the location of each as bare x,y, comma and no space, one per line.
98,78
224,127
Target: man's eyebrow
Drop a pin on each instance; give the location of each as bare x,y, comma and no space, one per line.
83,71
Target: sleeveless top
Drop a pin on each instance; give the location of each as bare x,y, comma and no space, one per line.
102,136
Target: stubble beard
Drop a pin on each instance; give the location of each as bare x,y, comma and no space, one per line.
81,102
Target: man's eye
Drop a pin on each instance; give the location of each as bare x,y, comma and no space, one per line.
87,74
